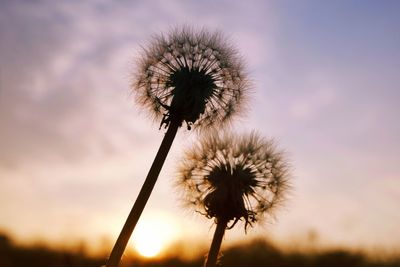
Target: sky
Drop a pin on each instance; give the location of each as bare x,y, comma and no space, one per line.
75,148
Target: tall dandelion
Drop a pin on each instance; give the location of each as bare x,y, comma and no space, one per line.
187,77
230,179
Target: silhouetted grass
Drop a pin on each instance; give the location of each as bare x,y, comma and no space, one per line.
255,254
16,256
260,253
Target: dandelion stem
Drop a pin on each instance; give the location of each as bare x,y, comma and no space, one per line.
143,196
212,257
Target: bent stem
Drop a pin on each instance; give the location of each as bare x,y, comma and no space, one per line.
143,196
212,257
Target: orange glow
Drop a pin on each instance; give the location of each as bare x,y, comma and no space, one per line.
153,234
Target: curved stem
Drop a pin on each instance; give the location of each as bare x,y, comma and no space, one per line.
143,196
212,257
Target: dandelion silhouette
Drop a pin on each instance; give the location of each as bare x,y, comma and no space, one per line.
197,78
231,178
187,76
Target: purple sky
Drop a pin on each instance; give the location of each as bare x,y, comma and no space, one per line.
74,148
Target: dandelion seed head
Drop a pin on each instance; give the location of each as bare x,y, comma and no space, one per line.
192,77
236,178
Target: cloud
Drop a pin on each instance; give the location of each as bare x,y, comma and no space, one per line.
64,84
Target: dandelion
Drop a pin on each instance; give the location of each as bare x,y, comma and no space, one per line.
196,78
189,77
231,179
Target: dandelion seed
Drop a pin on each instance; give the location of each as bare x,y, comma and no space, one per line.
196,78
234,182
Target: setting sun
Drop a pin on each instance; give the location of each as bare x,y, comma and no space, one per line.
153,234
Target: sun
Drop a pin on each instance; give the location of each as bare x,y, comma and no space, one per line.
153,233
148,240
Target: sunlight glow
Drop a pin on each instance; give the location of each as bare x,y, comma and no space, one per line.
153,234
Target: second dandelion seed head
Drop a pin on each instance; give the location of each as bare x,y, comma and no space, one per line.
231,178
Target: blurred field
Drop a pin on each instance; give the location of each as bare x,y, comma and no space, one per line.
255,254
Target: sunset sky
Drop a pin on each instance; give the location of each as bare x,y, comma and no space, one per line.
75,148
